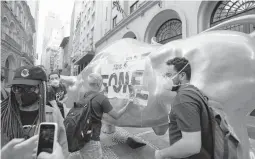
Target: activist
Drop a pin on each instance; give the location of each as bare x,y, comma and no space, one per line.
57,94
25,108
187,138
100,105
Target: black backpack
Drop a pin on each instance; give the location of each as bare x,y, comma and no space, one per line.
226,144
78,124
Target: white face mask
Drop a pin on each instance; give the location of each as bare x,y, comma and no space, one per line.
55,83
169,84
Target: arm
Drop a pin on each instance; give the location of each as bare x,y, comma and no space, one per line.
190,142
116,115
188,121
62,139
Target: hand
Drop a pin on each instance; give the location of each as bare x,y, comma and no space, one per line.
158,155
57,153
19,148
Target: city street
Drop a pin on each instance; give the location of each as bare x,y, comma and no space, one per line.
128,63
114,145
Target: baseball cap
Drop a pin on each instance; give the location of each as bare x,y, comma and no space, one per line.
29,75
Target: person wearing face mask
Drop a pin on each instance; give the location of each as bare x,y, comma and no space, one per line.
57,94
25,109
189,131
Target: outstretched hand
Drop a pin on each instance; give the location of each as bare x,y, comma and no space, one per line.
19,148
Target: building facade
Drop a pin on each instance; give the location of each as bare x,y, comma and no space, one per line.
34,9
165,20
17,36
66,67
53,53
52,30
82,34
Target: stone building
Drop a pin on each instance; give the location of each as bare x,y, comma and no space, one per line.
17,32
165,20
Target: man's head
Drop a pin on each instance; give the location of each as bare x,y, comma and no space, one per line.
179,71
95,82
54,79
25,84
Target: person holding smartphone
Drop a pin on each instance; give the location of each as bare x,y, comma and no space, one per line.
25,108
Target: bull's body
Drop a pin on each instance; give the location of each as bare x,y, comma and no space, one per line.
223,67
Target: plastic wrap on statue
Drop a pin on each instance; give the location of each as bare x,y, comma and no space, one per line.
222,63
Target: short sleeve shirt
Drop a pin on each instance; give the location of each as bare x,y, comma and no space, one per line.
100,105
188,114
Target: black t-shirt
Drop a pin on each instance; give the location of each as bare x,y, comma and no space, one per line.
100,105
56,93
185,116
29,121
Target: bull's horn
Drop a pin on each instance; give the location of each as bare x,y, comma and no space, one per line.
238,20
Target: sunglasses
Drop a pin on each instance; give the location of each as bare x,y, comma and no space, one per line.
20,89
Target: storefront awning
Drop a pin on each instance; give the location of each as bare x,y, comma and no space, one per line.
85,59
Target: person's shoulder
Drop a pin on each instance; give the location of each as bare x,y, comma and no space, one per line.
187,96
100,97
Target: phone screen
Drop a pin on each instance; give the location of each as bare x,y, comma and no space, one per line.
46,139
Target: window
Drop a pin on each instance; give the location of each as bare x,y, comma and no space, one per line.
114,22
133,7
168,31
226,10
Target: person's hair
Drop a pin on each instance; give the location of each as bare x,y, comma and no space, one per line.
54,73
179,63
10,117
97,80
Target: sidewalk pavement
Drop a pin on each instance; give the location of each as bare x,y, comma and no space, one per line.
114,146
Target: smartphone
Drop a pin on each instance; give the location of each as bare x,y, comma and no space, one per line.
47,137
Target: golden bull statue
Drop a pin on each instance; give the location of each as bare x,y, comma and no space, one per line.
222,63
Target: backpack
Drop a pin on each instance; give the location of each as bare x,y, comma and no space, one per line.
226,145
78,124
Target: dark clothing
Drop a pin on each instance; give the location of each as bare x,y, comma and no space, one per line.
189,114
28,117
57,93
100,105
29,122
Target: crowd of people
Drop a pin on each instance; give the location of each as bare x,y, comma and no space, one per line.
36,98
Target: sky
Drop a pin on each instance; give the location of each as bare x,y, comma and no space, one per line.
61,7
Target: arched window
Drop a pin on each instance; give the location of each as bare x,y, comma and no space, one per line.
12,30
5,24
168,31
226,10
